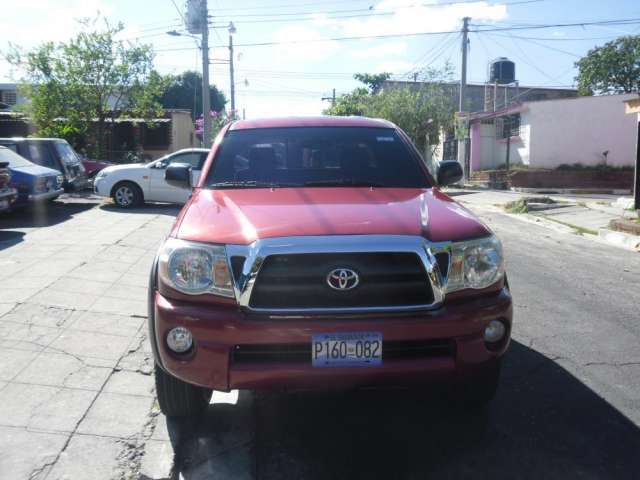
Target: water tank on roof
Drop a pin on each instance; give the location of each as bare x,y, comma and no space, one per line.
502,71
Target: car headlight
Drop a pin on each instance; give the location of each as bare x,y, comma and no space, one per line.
195,268
101,174
59,180
475,264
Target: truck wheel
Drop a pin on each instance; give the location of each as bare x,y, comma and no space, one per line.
478,391
178,398
127,195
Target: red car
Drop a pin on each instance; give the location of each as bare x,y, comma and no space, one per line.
319,252
92,167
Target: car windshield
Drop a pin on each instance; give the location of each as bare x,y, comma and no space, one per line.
315,157
15,160
66,153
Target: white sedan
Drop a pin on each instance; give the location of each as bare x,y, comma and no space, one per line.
133,184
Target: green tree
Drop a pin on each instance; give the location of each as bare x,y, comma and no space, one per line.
185,91
421,109
374,81
78,88
611,68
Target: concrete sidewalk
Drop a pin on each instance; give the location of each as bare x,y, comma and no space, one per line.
584,214
76,384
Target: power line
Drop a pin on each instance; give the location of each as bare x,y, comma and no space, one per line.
434,54
632,21
373,9
549,47
179,11
523,56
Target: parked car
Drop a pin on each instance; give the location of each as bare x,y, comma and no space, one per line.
54,153
133,184
92,167
319,252
8,194
33,183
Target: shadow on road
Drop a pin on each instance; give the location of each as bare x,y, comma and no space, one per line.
157,208
544,423
45,214
9,238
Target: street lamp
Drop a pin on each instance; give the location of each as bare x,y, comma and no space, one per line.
175,33
232,30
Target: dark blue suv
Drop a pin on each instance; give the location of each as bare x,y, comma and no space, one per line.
34,183
53,153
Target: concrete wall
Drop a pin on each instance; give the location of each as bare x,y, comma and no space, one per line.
182,131
488,152
579,130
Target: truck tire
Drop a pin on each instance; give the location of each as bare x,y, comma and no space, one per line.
178,398
127,195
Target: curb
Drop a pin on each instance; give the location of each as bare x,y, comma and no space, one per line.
573,191
620,239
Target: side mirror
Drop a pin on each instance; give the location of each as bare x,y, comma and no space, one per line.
178,175
449,171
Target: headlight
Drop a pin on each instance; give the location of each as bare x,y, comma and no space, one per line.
102,173
59,180
195,268
475,264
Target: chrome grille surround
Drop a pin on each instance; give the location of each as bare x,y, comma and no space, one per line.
256,252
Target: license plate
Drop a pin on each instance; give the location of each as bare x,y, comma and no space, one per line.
346,349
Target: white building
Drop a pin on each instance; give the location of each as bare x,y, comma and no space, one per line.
548,133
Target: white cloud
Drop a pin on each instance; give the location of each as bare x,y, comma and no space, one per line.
33,22
421,18
394,66
381,51
317,50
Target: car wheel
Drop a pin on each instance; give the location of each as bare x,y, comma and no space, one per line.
478,391
178,398
127,195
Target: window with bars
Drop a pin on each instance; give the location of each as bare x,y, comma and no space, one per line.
508,126
9,97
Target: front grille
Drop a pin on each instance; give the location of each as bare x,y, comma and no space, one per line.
300,353
299,281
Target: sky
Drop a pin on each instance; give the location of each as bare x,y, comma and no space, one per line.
292,78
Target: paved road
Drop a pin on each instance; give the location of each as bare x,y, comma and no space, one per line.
569,405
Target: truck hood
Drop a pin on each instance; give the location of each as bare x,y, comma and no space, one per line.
243,216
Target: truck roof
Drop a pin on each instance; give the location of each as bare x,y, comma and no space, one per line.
311,121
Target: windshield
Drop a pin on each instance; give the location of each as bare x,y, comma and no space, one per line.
315,157
66,153
15,160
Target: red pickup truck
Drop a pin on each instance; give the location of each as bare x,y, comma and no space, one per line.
318,252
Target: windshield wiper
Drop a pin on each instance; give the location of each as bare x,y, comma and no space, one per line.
249,184
343,182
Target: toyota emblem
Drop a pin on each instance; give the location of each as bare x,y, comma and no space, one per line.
343,279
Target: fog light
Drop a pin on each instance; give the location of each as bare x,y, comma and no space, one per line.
179,339
494,332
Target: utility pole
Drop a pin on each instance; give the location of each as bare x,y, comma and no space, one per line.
232,85
332,98
463,69
463,143
206,95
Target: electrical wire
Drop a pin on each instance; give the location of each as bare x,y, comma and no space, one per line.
445,47
372,9
633,21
